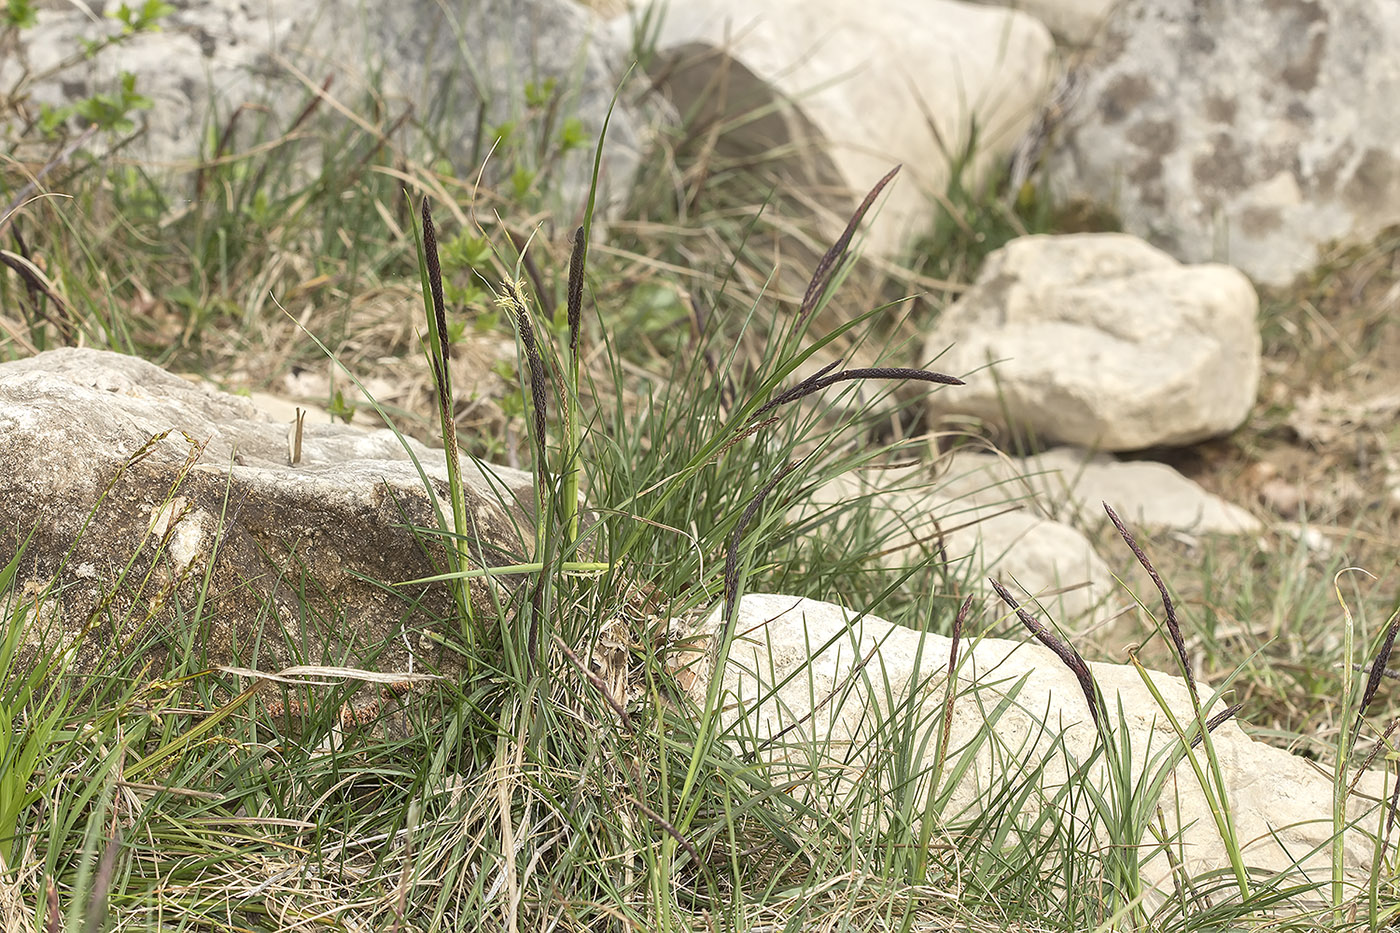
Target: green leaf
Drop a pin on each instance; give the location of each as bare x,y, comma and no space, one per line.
465,250
151,11
51,119
110,111
21,14
539,93
572,135
522,180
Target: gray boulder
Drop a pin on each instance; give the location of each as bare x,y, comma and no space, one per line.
1241,132
460,68
139,486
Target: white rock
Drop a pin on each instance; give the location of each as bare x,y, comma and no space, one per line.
1049,563
1242,132
1027,522
1102,341
841,675
866,80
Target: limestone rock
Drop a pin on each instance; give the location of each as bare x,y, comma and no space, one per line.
1102,341
838,692
462,68
109,459
1242,132
1045,563
1027,521
849,90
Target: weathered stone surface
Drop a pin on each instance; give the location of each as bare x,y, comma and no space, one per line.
109,459
1027,521
461,69
1043,562
849,90
1238,131
1102,341
851,686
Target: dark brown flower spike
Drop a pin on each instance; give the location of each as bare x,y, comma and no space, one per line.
537,393
958,622
430,252
1173,626
537,402
442,375
1225,715
826,378
1065,651
1394,804
576,263
1378,670
821,276
1382,744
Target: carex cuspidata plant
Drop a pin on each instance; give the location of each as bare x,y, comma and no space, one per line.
552,374
1127,804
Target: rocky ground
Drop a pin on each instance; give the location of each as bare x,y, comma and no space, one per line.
271,253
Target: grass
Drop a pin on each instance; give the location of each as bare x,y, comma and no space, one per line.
655,370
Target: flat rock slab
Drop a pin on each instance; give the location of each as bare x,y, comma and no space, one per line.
811,687
138,486
1071,484
1101,341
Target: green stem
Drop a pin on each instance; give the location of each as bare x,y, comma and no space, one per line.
1214,790
1339,778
